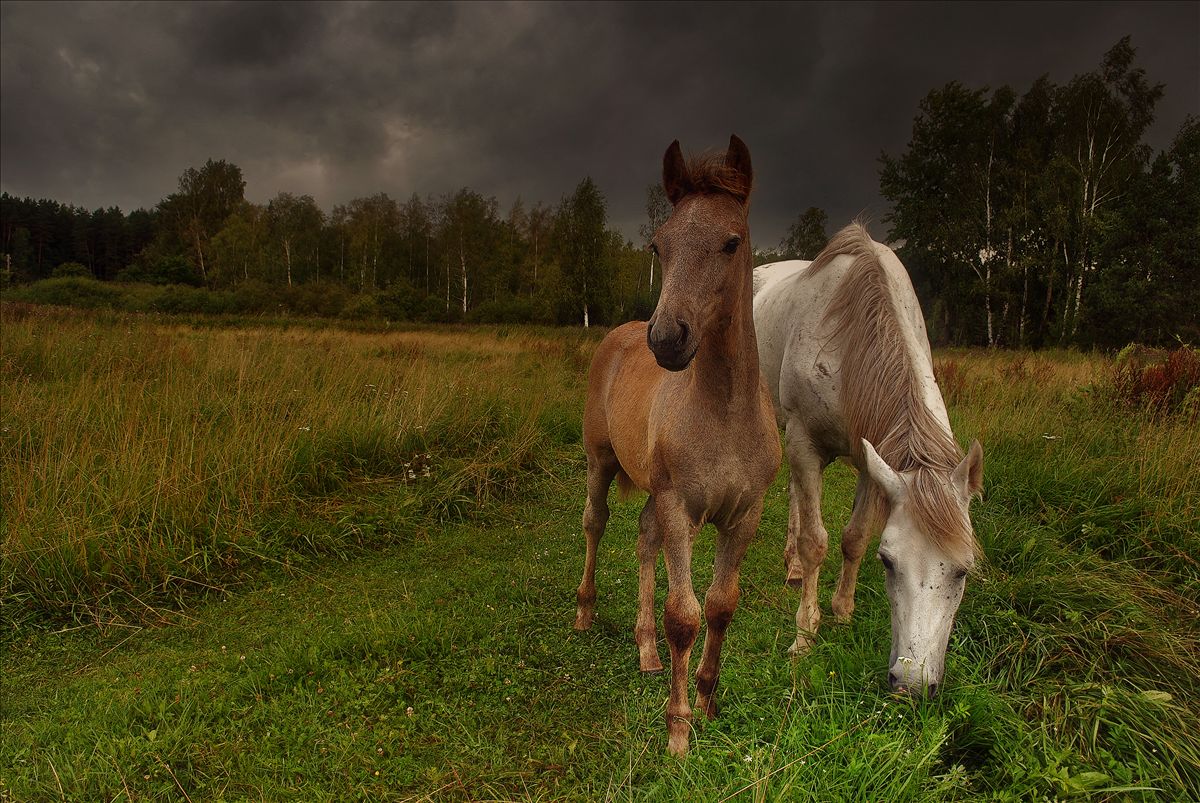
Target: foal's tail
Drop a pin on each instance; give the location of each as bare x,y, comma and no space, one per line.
625,486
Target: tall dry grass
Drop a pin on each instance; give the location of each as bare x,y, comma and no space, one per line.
141,457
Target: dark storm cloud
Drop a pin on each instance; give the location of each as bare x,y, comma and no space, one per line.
107,104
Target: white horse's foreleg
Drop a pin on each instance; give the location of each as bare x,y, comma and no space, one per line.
600,475
720,603
681,617
808,540
855,539
645,633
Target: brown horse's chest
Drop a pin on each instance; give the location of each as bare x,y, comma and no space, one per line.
723,469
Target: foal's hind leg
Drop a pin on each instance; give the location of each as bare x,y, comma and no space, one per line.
646,632
807,538
855,539
720,603
600,472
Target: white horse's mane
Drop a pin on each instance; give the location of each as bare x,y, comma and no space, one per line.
882,397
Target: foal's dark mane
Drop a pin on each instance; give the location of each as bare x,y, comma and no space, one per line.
709,175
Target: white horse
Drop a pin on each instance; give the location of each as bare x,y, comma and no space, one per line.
843,348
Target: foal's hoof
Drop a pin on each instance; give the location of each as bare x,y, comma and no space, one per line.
800,647
653,667
583,620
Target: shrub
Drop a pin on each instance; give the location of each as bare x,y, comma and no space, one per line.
69,269
504,310
316,298
400,302
71,291
155,269
360,308
253,296
1146,378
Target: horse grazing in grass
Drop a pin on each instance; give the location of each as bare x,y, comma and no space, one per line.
843,348
687,420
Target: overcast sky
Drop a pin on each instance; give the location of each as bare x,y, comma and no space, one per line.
106,104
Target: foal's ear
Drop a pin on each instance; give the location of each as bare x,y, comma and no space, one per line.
881,473
738,159
968,475
676,180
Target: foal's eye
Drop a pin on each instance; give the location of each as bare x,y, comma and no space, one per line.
731,245
886,561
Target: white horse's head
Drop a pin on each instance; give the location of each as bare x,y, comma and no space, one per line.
926,574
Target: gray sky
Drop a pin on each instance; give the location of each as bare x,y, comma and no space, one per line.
106,104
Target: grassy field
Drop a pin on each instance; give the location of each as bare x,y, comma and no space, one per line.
279,561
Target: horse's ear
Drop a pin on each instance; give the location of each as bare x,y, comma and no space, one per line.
968,475
676,180
881,473
738,158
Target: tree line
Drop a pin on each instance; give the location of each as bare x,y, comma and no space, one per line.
1026,220
442,259
1043,219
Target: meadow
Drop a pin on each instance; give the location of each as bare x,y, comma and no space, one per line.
256,559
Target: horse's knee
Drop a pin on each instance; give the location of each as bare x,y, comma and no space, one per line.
681,621
854,544
719,609
814,549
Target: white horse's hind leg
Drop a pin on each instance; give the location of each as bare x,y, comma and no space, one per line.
855,539
808,540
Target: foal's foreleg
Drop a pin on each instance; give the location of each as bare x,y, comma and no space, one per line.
600,475
855,539
681,617
720,603
808,540
646,632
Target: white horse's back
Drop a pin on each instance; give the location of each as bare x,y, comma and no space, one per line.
791,303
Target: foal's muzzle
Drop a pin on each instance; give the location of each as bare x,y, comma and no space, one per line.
670,342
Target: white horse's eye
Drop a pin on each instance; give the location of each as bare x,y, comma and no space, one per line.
887,562
961,574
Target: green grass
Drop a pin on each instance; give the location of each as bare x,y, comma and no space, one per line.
399,639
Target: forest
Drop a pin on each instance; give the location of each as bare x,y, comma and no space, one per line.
1027,219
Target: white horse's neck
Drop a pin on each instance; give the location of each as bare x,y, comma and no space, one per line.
916,341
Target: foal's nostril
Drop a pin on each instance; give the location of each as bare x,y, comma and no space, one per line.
683,333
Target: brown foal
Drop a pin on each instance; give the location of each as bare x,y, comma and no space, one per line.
688,420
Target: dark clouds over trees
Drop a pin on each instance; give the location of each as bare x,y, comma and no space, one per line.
103,103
